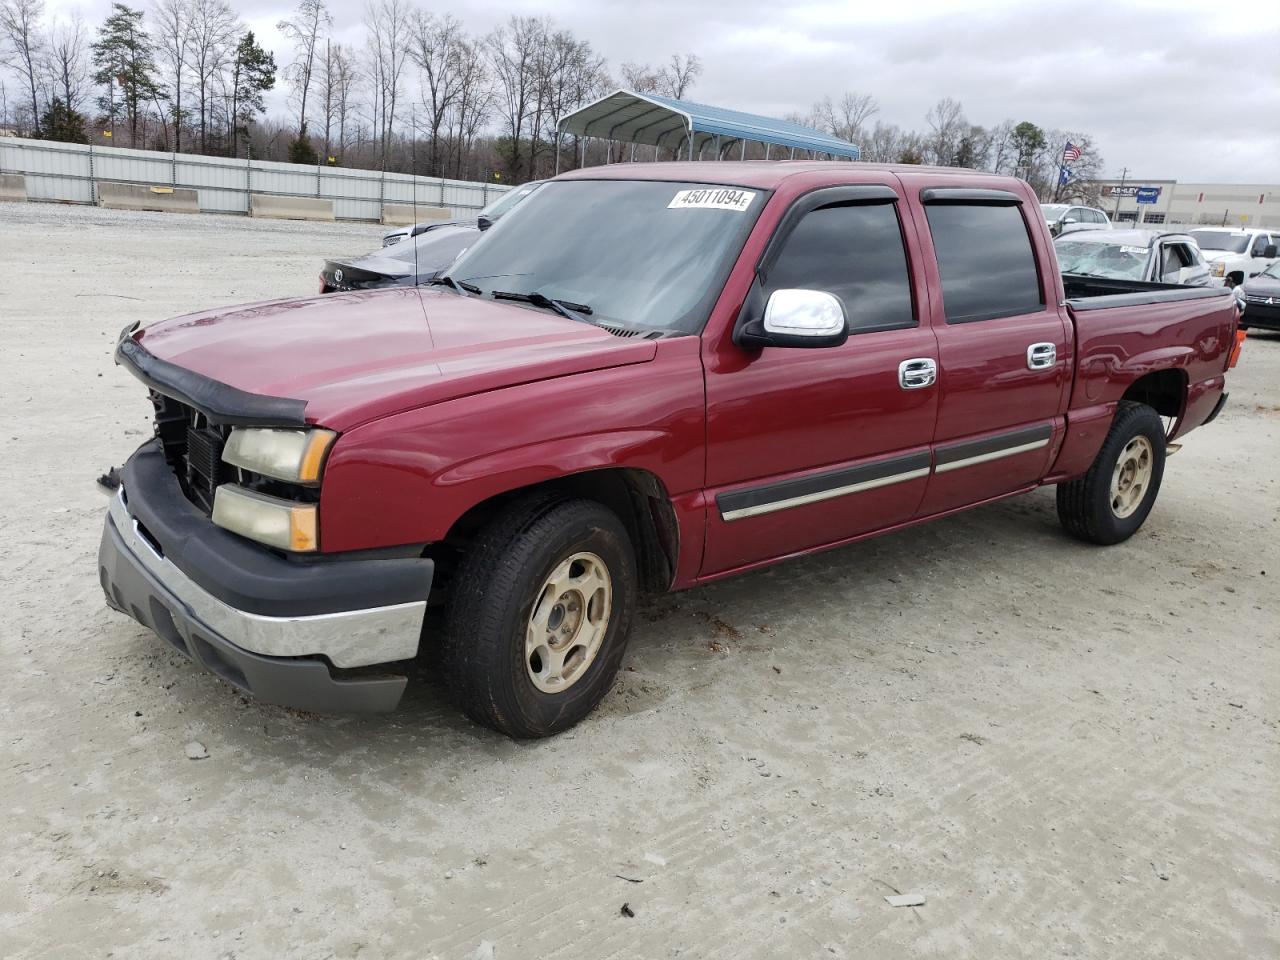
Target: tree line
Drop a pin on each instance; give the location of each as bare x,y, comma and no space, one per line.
419,94
948,139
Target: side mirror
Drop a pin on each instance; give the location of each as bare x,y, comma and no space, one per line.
483,223
1269,252
797,318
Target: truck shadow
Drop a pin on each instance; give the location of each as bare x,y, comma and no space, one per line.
757,612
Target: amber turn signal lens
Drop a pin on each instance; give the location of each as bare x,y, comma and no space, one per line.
279,523
1237,349
318,444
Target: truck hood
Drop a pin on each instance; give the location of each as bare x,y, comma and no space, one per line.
354,357
1213,256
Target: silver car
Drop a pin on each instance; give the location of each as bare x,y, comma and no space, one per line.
1151,256
484,219
1065,218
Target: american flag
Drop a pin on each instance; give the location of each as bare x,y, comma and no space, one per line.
1071,153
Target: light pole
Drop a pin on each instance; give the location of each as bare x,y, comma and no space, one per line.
1124,173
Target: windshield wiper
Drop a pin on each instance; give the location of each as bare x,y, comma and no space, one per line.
461,286
566,308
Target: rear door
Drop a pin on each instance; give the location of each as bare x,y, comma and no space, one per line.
808,447
1003,341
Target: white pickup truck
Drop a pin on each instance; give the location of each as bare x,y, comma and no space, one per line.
1233,255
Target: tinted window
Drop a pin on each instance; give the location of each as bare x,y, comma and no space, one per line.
854,251
1097,216
985,261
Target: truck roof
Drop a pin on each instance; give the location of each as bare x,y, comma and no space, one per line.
768,174
1137,237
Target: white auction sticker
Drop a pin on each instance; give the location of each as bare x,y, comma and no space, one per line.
712,198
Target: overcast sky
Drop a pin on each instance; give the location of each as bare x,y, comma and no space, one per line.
1183,90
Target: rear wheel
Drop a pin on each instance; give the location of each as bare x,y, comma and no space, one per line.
539,614
1110,502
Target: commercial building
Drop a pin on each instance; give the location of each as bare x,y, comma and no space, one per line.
1199,204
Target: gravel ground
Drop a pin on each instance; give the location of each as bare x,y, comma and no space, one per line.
1069,751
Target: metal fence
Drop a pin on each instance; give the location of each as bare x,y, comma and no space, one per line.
68,172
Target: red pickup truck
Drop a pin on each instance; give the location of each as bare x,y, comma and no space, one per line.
647,377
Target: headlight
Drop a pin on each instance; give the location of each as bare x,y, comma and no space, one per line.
279,523
296,456
1219,269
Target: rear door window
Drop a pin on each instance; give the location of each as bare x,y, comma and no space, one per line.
985,260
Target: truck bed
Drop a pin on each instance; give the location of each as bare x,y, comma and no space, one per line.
1178,332
1096,293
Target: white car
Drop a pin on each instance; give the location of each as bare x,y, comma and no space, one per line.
1068,218
1147,256
1235,256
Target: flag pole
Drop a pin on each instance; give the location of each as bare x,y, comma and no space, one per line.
1062,165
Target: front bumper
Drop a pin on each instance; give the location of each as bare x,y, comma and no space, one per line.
1261,316
167,566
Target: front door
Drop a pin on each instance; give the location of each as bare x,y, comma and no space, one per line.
807,447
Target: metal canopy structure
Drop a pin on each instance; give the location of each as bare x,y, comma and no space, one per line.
683,126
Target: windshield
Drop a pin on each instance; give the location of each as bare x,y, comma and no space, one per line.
1054,211
1272,271
434,250
1115,261
1221,240
506,201
640,254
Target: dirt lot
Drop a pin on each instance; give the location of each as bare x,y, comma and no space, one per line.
1069,751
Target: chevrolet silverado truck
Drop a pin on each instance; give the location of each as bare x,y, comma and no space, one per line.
645,378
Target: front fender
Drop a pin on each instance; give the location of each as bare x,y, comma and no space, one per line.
409,477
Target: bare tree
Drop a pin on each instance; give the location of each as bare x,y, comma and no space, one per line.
572,74
846,118
387,28
1001,154
641,77
437,45
309,22
214,31
514,51
947,126
473,108
173,30
67,60
23,48
337,82
679,75
673,80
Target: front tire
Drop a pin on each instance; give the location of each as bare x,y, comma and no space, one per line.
539,615
1110,502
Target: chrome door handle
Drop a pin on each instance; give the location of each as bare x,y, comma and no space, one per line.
1041,356
917,373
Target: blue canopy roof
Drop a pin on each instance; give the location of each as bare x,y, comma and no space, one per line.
664,122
